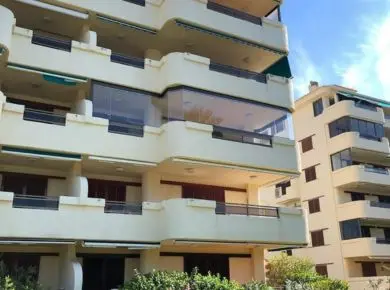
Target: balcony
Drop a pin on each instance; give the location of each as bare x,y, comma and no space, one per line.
86,62
366,145
292,193
363,209
175,141
35,202
366,247
175,219
123,208
361,176
349,108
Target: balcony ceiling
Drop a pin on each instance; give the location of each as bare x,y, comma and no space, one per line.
36,18
368,156
175,38
253,7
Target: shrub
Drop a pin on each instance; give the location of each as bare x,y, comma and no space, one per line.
18,278
256,285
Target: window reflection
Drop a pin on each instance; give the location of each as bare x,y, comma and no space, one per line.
366,129
126,106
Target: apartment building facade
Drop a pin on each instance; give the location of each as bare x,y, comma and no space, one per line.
344,147
136,134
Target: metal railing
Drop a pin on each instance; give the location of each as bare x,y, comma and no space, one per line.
378,170
245,209
127,60
44,117
233,12
138,2
383,241
237,72
51,41
126,129
242,136
123,208
35,202
380,204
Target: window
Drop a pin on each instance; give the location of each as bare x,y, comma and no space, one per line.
289,252
318,107
283,186
314,205
109,190
366,233
307,144
322,270
331,101
317,238
350,229
310,174
357,196
368,269
366,129
341,159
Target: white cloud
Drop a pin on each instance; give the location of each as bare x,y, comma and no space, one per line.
305,70
367,69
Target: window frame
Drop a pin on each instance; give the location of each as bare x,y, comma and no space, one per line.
308,177
307,144
314,205
322,270
318,107
317,238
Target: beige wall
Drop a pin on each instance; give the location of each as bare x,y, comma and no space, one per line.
171,263
49,271
131,264
57,187
241,269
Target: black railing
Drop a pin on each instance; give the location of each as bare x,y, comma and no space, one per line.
51,41
242,136
383,241
233,12
44,117
35,202
123,208
244,209
380,204
128,60
138,2
237,72
126,129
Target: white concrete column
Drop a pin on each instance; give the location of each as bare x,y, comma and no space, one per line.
77,184
150,260
150,186
89,37
253,194
153,54
71,272
258,264
6,29
82,106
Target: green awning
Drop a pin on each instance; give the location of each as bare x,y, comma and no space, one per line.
280,68
40,153
375,101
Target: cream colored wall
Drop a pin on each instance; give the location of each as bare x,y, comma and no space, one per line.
133,193
241,269
7,23
168,191
171,263
236,197
49,271
57,187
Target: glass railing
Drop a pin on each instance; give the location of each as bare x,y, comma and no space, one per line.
242,136
127,60
123,208
233,12
368,107
138,2
240,73
44,117
244,209
35,202
380,204
51,41
370,137
126,129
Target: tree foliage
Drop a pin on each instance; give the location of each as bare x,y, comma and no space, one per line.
18,278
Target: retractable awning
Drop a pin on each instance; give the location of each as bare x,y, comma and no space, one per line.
40,154
280,68
377,102
123,161
113,245
35,242
51,77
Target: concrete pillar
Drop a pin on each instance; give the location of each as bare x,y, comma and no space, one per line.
258,264
89,37
71,272
82,106
153,54
150,186
150,260
253,194
77,184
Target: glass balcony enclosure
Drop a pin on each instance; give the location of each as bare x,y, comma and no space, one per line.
345,158
356,228
127,106
369,130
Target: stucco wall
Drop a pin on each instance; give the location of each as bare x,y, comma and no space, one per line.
241,269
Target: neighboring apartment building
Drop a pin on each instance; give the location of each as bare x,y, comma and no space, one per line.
345,183
135,135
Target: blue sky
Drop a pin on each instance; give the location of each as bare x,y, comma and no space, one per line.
345,42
